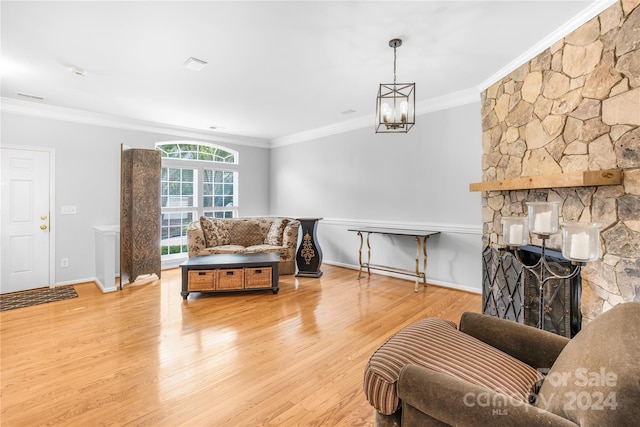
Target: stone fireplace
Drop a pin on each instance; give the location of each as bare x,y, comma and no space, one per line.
573,108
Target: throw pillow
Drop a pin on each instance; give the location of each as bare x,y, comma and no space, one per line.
274,237
245,232
221,228
208,229
216,232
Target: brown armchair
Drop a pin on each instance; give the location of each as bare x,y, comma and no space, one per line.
592,380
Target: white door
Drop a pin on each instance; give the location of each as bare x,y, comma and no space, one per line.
24,227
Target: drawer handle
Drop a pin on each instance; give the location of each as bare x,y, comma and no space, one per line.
229,273
258,271
202,273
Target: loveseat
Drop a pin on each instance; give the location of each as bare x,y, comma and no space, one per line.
246,235
493,371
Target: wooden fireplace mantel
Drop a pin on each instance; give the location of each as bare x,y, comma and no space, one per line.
570,179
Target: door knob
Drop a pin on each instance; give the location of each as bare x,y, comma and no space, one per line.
43,227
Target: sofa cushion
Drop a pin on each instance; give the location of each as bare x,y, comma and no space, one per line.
436,344
264,249
245,232
226,249
274,237
595,381
216,232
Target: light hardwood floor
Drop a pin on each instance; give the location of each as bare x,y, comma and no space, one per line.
144,357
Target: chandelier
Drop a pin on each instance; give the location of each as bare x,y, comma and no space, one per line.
396,102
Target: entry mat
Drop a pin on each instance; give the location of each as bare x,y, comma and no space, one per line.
35,297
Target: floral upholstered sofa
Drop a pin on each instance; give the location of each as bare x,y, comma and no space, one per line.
246,235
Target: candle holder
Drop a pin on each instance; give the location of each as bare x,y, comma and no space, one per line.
580,243
543,217
515,231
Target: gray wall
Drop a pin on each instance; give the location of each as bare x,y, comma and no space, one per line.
87,175
419,179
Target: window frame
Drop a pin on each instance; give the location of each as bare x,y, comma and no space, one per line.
199,166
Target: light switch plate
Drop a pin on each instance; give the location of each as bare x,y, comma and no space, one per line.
67,210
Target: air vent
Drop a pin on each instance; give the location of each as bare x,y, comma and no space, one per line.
195,64
32,97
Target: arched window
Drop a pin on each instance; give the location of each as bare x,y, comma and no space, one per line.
206,152
198,179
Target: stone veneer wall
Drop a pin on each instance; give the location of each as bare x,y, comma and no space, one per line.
574,107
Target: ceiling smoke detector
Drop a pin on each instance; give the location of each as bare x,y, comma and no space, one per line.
195,64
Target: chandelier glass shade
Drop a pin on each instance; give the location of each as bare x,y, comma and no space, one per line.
396,102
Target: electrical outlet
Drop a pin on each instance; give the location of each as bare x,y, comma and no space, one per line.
64,262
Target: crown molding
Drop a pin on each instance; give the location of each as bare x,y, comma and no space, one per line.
451,100
583,17
455,99
35,109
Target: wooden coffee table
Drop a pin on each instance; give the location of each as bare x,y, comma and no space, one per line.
230,273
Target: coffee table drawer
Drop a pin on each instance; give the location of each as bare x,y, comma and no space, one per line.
230,279
259,277
202,280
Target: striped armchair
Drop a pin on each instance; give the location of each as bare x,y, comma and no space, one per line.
493,371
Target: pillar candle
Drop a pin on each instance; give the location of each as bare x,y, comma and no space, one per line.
579,246
542,222
515,234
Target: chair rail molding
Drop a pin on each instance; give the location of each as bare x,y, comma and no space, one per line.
441,227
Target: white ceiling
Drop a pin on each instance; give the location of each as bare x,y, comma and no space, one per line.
275,68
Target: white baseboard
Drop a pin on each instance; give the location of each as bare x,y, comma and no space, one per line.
337,264
404,277
107,289
87,280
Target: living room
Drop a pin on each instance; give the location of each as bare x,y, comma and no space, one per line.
428,154
343,173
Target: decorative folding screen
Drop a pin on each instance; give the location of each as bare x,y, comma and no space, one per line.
139,213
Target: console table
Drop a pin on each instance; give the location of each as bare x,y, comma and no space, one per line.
420,237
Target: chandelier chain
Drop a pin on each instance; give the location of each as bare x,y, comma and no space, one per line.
394,65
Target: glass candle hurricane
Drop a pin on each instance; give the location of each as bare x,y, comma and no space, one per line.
581,242
515,231
543,217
